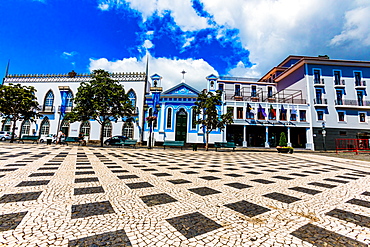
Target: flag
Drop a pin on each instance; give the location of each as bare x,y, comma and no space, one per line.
262,110
249,108
293,111
282,109
272,112
63,105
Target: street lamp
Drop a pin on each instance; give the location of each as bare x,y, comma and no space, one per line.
324,135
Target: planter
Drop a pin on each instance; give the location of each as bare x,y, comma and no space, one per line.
285,150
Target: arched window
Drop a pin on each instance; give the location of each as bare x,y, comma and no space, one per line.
26,126
132,97
49,101
107,132
169,118
85,128
7,124
69,99
193,119
64,127
45,127
128,130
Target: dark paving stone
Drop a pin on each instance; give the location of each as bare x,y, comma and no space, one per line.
247,208
298,174
86,172
179,181
357,219
33,183
254,173
140,166
204,191
11,221
20,197
84,167
209,178
311,172
88,190
357,175
139,185
114,239
234,175
16,164
329,186
366,193
346,177
263,181
52,164
157,199
269,170
82,163
119,171
306,190
128,176
48,168
8,170
162,174
174,168
192,225
90,209
84,180
336,180
190,172
283,178
323,238
149,169
211,171
114,166
231,169
359,202
282,197
238,185
42,174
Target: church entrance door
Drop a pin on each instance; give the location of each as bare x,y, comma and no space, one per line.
181,125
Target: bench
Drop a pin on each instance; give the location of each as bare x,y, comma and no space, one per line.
173,144
225,145
71,139
29,138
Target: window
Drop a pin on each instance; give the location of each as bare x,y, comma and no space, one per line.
132,97
250,115
26,127
237,90
231,110
212,84
337,77
239,112
107,131
193,119
339,97
49,101
169,118
7,125
316,75
282,115
128,130
85,128
45,127
342,133
221,86
302,115
318,96
261,115
362,116
320,115
293,116
341,116
269,92
360,98
357,78
254,91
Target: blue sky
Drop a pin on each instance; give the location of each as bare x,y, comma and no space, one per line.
236,38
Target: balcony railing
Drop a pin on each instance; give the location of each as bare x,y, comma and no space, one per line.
67,108
360,83
319,81
319,101
340,83
47,108
349,102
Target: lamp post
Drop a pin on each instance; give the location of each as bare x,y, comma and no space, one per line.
324,135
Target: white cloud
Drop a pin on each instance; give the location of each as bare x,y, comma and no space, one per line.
67,55
170,70
103,6
148,44
356,27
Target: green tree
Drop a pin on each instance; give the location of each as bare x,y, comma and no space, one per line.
209,118
282,141
102,99
18,102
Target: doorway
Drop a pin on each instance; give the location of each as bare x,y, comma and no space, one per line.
181,125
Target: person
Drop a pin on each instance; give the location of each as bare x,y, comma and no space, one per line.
59,137
81,139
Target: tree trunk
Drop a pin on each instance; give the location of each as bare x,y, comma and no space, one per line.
13,131
102,134
207,139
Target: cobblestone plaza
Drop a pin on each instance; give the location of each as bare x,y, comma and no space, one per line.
90,196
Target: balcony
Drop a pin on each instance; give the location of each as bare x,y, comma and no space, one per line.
346,103
339,84
319,101
47,109
360,84
67,109
319,82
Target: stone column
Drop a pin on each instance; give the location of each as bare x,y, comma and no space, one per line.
289,143
267,144
245,144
